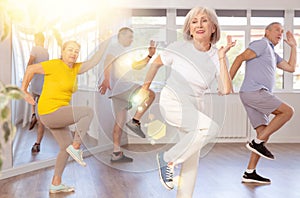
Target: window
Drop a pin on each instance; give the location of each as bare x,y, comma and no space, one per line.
265,17
232,17
296,74
149,24
239,36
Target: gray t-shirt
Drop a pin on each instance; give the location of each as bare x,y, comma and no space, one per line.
260,71
41,54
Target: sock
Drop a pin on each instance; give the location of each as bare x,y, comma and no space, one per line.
135,121
250,171
117,153
258,141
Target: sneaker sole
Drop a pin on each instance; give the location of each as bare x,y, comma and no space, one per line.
61,191
160,175
122,160
258,153
75,158
254,181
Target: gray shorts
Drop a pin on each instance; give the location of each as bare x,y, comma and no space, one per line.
259,105
123,100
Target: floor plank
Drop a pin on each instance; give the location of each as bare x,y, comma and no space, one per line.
219,176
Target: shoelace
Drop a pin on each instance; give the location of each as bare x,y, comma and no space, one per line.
169,173
80,152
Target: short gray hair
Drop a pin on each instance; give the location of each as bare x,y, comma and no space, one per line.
212,16
268,27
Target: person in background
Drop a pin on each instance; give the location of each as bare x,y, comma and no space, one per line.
195,63
256,92
38,54
122,89
60,81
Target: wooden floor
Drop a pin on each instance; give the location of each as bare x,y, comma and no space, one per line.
219,176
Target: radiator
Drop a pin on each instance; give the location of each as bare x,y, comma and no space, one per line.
235,121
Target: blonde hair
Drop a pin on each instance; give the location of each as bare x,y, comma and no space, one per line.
39,36
66,44
69,42
212,16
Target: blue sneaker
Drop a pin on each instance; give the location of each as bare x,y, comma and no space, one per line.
166,171
61,188
76,154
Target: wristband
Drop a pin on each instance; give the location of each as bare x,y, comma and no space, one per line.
149,56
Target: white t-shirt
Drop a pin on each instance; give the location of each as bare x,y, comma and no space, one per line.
192,71
121,73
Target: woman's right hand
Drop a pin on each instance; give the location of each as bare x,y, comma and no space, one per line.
28,98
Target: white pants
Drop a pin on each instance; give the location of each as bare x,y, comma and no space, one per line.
197,130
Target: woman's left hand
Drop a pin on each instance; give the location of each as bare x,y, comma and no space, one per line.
28,98
223,50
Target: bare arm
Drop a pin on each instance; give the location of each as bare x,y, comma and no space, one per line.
246,55
157,63
31,60
224,81
290,66
29,73
92,62
102,88
142,63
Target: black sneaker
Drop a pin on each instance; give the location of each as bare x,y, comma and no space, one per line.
136,128
260,149
35,148
254,178
165,172
120,158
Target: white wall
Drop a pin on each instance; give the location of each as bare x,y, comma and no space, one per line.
217,4
5,77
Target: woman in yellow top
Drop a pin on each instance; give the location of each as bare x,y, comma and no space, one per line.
54,109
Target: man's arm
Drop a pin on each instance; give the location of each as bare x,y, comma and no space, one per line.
31,60
142,63
248,54
290,66
95,59
29,73
102,88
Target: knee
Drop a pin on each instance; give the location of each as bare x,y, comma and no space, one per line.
289,112
151,95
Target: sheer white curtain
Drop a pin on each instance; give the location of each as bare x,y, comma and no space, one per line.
22,42
21,45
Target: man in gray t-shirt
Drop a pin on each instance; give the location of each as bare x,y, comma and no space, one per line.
38,54
256,92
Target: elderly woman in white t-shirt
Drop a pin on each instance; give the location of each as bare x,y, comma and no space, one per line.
195,63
